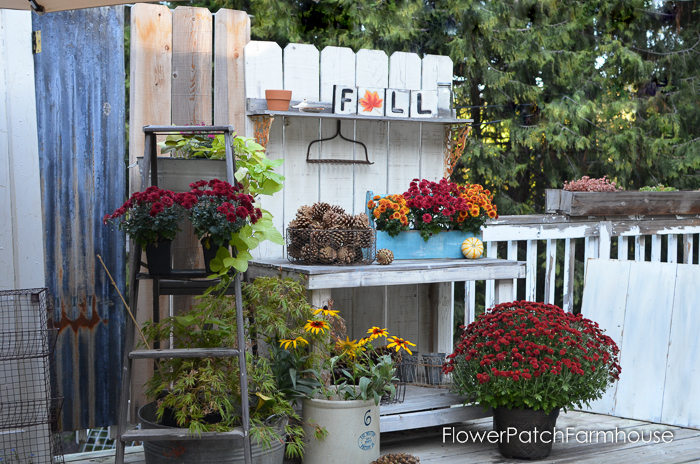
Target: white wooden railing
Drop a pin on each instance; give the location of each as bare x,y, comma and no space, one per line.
675,235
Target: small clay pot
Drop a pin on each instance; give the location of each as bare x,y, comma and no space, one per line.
278,100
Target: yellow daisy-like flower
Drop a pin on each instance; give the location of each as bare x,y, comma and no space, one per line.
376,332
326,312
399,343
286,342
316,326
351,347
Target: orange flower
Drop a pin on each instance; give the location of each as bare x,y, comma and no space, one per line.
370,205
395,216
377,213
371,101
376,197
382,209
492,214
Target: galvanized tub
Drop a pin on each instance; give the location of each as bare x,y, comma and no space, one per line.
205,451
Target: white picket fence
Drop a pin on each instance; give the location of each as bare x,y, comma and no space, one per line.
675,235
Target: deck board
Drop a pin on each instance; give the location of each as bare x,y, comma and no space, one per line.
427,445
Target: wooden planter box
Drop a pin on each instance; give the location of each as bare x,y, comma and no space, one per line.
621,203
410,245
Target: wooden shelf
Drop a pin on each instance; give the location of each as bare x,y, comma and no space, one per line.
258,107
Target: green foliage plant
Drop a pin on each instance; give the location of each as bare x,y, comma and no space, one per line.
532,355
658,188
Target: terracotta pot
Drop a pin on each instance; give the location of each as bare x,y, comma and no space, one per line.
278,100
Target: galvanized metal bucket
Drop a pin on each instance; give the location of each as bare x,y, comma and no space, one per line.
205,451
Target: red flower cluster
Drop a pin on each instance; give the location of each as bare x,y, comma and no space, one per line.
570,357
157,199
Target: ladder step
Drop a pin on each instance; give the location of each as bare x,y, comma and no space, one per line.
184,353
179,434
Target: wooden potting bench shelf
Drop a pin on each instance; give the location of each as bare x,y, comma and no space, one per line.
422,406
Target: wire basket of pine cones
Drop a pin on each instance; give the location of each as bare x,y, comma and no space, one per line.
326,234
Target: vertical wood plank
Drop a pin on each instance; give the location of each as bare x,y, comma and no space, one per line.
672,250
404,155
192,66
569,273
231,34
622,248
435,69
371,69
683,352
550,272
513,256
644,347
21,230
604,301
432,152
655,248
263,68
688,248
337,67
301,71
402,317
504,291
531,271
591,250
445,311
640,244
405,71
490,290
605,239
150,77
469,302
372,177
337,180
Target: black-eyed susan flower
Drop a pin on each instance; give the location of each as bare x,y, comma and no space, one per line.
376,332
351,347
326,312
399,343
316,326
299,340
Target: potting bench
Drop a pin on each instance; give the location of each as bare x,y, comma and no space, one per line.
422,406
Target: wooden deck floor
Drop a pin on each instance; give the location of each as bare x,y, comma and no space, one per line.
428,445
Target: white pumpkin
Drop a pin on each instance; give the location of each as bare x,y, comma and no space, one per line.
472,248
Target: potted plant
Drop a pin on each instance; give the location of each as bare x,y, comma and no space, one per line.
151,220
204,394
430,219
527,361
341,415
217,211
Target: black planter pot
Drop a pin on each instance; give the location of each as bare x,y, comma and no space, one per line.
530,445
158,257
209,253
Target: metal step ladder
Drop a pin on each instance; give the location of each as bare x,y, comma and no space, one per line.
169,285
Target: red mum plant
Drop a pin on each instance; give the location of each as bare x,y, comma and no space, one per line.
432,207
218,209
533,355
149,217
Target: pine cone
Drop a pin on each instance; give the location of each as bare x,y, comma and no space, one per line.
305,211
359,254
330,219
319,209
327,255
293,224
363,238
360,221
397,458
318,225
309,254
346,255
385,256
344,221
336,238
337,209
303,222
319,239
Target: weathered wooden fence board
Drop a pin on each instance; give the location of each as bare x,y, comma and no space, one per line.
21,229
648,308
80,112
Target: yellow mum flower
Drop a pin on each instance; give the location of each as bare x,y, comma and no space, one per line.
300,340
326,312
399,343
316,326
376,332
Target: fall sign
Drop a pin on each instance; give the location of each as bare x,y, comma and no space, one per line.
394,103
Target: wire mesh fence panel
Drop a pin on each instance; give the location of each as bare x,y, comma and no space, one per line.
28,411
424,370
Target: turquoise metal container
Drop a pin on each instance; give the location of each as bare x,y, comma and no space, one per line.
410,245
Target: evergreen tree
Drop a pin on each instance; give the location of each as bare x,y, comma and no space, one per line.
557,89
